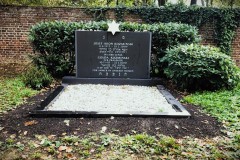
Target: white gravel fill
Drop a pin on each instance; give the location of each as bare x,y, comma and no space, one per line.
110,98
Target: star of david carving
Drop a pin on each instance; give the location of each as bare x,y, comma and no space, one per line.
113,27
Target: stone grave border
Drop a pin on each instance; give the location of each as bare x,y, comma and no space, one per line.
41,112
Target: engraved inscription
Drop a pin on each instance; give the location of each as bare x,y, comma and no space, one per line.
99,54
113,59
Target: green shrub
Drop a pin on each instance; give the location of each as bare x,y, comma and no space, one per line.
36,78
54,41
164,36
200,67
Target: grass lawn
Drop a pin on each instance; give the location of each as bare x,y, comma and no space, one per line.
13,93
224,105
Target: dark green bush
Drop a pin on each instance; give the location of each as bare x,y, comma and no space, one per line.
164,36
196,67
54,41
36,78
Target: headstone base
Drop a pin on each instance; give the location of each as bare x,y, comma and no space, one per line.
112,81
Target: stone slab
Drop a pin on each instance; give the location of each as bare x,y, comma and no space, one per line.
100,54
113,81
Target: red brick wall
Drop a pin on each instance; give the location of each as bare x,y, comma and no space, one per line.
236,47
207,33
15,22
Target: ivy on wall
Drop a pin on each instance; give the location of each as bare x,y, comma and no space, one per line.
225,20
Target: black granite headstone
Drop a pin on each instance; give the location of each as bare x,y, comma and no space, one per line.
100,54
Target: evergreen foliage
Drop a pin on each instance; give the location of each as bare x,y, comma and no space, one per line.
54,41
224,20
196,67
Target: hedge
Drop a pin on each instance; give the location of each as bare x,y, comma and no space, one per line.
196,67
54,41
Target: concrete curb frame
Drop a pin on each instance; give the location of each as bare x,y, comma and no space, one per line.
41,110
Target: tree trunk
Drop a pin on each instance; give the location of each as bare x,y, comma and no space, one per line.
193,2
211,2
207,3
161,2
231,2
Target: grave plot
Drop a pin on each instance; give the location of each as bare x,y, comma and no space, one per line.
112,78
115,100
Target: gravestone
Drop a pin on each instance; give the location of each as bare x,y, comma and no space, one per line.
100,54
112,57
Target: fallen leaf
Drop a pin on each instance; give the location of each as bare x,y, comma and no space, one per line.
229,134
133,131
1,128
25,133
112,117
39,137
29,123
76,144
92,150
68,149
66,122
176,126
43,140
51,136
62,148
179,141
59,156
13,136
184,128
205,121
36,145
69,156
104,128
24,156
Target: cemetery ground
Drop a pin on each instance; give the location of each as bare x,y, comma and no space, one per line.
211,133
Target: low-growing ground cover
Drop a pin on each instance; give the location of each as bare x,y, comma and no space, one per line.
13,93
224,105
198,137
